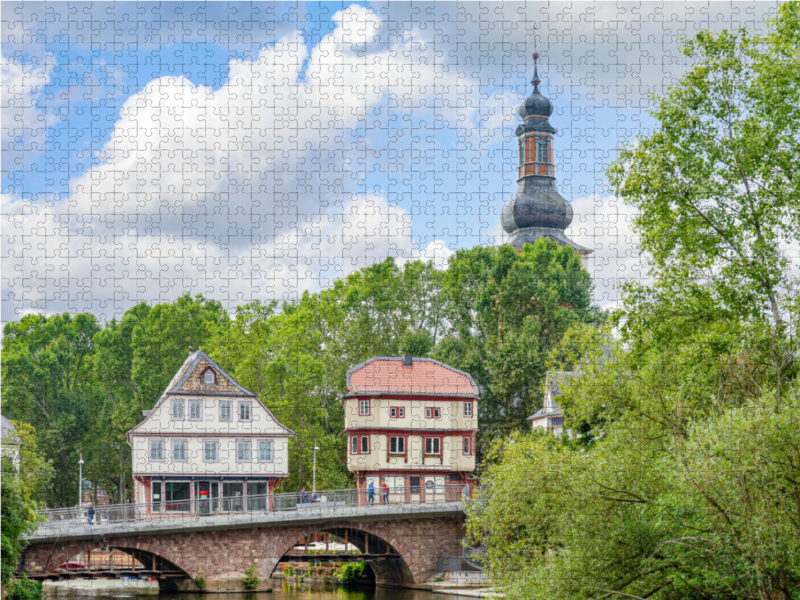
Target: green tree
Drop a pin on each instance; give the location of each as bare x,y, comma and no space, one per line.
506,312
47,382
23,492
685,482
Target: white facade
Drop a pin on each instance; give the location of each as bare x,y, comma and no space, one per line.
550,418
208,444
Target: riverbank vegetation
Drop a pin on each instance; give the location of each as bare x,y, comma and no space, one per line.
23,487
685,480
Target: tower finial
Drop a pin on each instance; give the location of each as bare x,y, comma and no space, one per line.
536,81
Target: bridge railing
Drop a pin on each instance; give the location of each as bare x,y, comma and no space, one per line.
264,503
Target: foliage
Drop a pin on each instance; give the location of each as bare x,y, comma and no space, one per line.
200,583
23,589
685,481
352,572
251,579
492,313
22,493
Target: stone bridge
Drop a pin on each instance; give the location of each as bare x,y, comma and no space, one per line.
220,548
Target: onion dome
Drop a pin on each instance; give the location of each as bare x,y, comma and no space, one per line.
536,105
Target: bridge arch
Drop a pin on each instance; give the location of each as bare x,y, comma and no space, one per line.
152,557
369,539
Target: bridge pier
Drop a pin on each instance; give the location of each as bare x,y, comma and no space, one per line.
222,553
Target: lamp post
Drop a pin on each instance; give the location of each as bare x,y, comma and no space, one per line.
314,483
80,482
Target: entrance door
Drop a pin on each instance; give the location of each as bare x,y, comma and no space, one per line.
204,497
434,488
415,488
397,491
156,496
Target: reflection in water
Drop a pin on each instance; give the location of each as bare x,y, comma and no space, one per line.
284,591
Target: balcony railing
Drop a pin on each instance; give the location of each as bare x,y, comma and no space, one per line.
256,504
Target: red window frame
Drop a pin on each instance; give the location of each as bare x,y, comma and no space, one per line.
405,445
359,444
471,407
369,408
203,376
400,414
425,445
431,409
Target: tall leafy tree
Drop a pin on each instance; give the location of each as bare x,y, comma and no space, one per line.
685,482
47,381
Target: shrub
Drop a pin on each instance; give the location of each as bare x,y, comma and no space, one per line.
251,580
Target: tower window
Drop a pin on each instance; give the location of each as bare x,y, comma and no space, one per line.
522,152
543,150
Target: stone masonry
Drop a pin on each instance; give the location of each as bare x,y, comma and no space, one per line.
221,556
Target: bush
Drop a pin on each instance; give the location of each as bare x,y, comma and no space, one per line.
23,589
251,580
352,572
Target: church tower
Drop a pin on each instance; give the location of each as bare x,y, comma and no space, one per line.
537,209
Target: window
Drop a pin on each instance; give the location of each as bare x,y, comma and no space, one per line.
522,152
542,149
397,412
209,377
467,446
225,410
413,483
177,410
265,451
433,445
195,410
433,413
244,411
179,450
156,450
467,409
243,451
397,445
210,453
354,445
363,407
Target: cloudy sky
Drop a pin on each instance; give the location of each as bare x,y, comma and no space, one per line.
256,150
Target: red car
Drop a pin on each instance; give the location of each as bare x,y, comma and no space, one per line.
72,565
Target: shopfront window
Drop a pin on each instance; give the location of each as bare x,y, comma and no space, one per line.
177,496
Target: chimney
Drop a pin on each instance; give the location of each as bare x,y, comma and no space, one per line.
408,361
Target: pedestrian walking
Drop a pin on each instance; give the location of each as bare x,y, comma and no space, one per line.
385,493
90,512
303,496
371,493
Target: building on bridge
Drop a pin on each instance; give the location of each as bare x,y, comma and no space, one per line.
411,424
208,445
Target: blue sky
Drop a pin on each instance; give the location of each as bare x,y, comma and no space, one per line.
256,150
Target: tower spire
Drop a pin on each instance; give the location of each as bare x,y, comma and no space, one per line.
537,209
536,81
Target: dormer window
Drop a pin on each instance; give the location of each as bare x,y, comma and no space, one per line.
209,377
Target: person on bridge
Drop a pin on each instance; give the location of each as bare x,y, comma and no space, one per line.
303,496
371,493
90,512
385,493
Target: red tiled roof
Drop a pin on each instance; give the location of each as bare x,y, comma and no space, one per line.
425,376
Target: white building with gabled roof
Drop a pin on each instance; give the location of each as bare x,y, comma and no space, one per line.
208,445
549,417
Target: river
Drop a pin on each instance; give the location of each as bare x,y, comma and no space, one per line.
281,591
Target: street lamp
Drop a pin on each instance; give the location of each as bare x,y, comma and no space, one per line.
80,482
314,483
